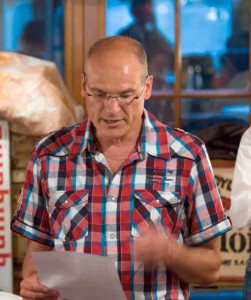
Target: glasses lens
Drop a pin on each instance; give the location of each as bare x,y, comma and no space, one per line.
125,98
99,97
122,98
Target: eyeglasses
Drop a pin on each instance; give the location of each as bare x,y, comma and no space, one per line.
124,98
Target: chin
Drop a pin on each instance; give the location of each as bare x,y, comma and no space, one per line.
110,134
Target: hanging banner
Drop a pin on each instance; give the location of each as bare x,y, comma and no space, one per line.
6,281
235,244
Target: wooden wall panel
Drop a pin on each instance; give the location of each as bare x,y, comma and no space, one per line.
84,24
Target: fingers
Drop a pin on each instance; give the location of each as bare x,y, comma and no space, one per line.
152,249
30,288
34,295
146,245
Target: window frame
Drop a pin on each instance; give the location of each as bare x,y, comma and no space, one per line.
80,19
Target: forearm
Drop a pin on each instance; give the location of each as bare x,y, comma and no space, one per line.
29,267
30,287
200,265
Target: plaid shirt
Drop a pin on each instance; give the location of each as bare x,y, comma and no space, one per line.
73,202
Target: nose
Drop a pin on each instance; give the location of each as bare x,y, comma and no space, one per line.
112,103
108,97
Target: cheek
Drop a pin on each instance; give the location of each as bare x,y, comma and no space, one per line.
136,111
91,107
92,112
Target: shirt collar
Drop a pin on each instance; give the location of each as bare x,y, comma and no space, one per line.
153,139
83,139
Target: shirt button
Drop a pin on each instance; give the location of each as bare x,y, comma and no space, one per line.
157,201
66,202
113,199
112,236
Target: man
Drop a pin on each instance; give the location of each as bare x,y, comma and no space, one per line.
33,39
234,75
159,51
122,184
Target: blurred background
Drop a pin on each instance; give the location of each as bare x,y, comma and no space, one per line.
199,54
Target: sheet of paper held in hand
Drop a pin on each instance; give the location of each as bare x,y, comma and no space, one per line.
79,276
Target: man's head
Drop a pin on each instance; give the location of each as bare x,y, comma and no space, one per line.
238,50
123,44
33,38
142,10
115,84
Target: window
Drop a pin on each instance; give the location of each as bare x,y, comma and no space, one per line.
34,28
198,52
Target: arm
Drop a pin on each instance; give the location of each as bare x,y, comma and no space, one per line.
30,287
200,264
241,185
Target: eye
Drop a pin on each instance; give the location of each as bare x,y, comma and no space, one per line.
100,95
125,96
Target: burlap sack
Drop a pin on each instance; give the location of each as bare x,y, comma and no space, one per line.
33,97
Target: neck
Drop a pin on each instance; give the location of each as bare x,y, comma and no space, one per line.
119,149
120,144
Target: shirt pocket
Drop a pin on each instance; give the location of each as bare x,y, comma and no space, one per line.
160,209
68,211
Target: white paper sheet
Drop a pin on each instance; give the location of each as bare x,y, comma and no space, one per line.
8,296
79,276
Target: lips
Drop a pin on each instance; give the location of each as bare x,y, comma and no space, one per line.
109,121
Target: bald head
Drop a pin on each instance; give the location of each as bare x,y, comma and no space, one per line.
119,44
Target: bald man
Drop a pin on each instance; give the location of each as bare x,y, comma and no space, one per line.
123,185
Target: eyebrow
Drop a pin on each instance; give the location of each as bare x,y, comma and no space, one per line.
129,90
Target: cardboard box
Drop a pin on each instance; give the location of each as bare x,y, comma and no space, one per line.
235,244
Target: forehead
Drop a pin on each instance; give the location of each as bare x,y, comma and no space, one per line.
114,64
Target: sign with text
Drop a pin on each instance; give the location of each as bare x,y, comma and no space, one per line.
235,244
6,281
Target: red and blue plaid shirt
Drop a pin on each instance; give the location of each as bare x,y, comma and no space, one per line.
73,202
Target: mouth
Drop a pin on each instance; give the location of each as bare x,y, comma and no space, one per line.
111,121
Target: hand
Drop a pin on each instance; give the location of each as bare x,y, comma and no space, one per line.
30,288
153,249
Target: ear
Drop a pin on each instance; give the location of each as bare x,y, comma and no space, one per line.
83,90
149,86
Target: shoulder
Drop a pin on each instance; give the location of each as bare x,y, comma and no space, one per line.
179,142
247,135
244,150
58,142
184,143
188,136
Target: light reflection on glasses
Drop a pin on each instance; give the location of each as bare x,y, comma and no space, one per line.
125,98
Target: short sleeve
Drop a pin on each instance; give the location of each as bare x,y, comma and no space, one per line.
31,218
207,217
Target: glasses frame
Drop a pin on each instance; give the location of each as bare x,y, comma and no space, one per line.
117,97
